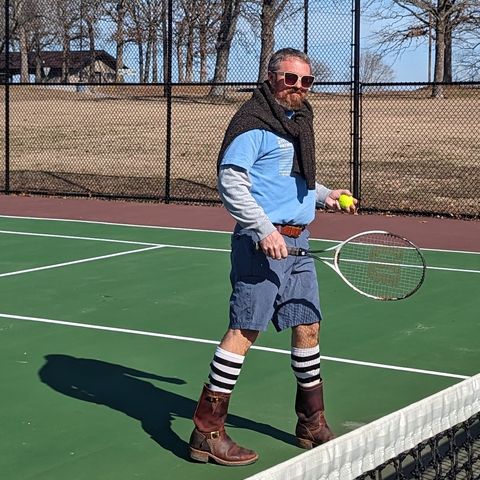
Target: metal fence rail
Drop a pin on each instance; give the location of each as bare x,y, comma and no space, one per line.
397,147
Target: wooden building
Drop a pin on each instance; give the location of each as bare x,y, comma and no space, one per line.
48,66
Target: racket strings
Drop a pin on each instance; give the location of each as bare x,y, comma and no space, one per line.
382,265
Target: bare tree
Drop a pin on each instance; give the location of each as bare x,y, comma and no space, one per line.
163,21
41,38
273,12
373,68
147,15
64,20
90,14
320,70
197,23
264,16
3,37
117,11
406,22
24,18
126,16
180,29
186,38
228,24
135,32
469,56
469,59
209,15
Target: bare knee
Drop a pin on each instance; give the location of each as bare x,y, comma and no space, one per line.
305,336
238,340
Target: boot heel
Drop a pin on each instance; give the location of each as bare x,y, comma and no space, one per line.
304,443
198,455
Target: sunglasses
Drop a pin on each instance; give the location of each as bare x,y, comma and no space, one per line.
290,79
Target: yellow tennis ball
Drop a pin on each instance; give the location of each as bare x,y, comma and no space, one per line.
345,201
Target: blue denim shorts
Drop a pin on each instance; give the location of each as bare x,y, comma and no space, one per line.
284,292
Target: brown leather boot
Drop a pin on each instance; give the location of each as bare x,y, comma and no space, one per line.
209,439
312,428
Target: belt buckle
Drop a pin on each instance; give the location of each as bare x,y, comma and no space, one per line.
293,231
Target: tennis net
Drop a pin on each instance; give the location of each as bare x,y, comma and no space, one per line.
435,438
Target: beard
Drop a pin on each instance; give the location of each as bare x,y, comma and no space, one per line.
291,99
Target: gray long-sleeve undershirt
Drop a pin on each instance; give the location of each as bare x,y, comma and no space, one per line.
234,189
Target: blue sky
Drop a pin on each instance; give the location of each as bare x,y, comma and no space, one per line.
412,66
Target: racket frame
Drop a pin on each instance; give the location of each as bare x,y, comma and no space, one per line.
336,258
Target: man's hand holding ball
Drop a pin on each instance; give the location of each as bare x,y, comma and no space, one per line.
342,200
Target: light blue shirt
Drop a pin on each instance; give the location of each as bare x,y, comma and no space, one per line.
268,160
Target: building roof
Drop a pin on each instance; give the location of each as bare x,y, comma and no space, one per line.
53,59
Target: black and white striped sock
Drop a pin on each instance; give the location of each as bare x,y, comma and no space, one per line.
306,365
224,370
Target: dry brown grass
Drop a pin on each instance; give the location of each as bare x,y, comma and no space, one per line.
411,144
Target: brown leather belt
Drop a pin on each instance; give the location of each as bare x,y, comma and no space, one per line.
293,231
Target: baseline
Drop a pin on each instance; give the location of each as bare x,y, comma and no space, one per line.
209,249
158,227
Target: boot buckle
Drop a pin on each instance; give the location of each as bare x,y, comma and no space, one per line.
214,435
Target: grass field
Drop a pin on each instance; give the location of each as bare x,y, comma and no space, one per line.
411,143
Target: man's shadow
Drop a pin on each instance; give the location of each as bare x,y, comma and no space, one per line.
122,389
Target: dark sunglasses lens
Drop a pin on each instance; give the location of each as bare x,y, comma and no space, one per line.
290,79
307,81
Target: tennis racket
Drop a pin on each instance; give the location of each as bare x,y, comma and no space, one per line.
377,264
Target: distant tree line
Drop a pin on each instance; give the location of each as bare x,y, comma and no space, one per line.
442,23
202,29
203,32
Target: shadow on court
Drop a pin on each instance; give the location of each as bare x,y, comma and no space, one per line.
126,390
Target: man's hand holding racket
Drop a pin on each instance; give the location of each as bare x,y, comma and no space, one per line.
274,246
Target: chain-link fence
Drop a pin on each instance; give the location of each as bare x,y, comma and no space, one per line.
140,118
420,153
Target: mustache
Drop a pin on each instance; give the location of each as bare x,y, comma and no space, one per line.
294,90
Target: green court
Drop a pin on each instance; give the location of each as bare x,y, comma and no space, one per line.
108,331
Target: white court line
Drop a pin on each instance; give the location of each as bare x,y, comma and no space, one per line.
115,224
74,237
185,247
129,242
212,342
329,261
76,262
447,269
157,227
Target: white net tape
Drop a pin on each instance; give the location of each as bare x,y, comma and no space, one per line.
361,450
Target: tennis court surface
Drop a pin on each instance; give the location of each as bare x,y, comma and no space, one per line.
110,313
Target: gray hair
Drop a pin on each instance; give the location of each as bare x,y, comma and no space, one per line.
285,53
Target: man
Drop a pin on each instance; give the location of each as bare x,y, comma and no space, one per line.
266,180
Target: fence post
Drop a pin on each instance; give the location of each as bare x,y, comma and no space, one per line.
7,96
168,80
305,26
356,113
168,92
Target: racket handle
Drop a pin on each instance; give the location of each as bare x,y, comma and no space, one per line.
295,251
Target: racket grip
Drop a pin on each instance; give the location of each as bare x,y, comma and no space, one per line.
296,251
